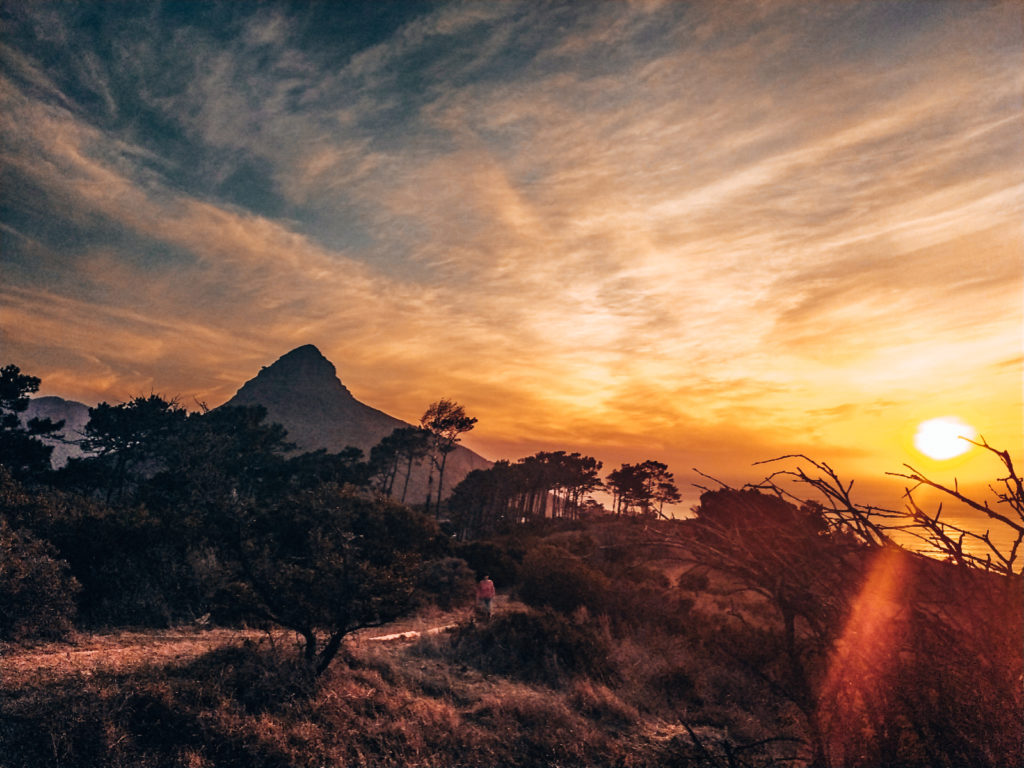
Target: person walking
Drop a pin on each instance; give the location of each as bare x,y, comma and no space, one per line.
485,595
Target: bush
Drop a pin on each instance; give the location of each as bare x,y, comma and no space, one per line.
489,558
448,582
677,686
552,577
131,564
631,605
37,596
538,646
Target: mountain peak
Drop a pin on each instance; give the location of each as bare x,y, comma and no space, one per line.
304,369
305,362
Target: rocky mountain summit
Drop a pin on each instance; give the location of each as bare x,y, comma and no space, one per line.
302,392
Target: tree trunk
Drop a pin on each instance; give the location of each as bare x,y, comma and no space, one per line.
440,484
329,652
408,471
309,652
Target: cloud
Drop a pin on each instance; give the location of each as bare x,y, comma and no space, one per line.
600,220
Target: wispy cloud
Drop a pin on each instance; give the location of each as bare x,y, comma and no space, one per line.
606,221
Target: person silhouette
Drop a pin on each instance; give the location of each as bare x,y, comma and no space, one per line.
485,594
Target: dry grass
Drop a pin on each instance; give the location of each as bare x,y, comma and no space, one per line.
128,696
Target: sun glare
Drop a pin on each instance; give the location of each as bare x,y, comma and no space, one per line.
943,438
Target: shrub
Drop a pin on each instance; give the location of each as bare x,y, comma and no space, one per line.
552,577
131,564
631,605
536,646
448,582
260,679
37,596
499,561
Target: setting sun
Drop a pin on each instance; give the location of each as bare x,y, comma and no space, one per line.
943,438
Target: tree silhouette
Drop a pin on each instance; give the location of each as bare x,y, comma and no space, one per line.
507,494
404,446
965,545
124,444
637,488
324,562
891,657
21,450
567,477
446,421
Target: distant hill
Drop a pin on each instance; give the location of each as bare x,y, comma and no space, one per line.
302,392
74,415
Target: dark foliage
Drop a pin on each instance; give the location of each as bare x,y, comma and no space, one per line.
555,578
132,565
323,561
392,460
550,483
37,594
642,489
447,582
445,421
537,646
876,647
500,559
21,451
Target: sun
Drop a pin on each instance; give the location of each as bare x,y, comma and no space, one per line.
943,438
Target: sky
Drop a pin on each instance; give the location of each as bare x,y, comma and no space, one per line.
702,233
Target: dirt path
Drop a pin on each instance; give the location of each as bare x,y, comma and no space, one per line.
88,654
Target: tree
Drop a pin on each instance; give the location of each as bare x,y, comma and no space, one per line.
638,487
508,493
446,421
216,459
875,645
21,450
785,555
405,445
566,477
126,443
346,467
324,562
965,545
486,500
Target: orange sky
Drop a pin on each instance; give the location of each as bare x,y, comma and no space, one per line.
701,234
